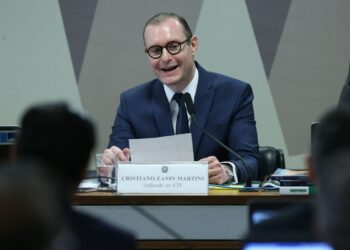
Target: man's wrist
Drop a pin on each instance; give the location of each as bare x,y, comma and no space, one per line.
229,173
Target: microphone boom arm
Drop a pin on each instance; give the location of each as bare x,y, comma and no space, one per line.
191,111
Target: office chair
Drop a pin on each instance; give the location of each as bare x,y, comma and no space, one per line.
270,159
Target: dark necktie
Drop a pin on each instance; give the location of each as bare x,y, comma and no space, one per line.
182,120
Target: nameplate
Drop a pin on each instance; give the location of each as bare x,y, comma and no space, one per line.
294,190
162,178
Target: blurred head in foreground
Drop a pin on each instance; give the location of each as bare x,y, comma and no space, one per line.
58,136
330,164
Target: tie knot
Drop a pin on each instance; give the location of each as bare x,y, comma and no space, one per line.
179,98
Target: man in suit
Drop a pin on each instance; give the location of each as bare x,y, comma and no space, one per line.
63,140
223,105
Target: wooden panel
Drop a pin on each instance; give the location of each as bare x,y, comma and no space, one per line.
194,244
215,197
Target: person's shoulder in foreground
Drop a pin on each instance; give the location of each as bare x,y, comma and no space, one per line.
93,233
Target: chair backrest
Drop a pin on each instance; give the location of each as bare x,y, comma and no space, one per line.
270,159
7,141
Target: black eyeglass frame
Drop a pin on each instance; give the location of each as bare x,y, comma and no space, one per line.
166,47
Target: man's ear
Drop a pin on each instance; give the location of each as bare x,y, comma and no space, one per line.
310,167
194,44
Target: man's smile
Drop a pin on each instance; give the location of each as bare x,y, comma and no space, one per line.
169,68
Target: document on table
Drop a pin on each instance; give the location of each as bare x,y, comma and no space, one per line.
88,185
162,149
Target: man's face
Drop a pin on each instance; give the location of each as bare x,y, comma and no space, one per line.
175,71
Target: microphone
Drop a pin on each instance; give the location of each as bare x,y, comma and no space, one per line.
191,111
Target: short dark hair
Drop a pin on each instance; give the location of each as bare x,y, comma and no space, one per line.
162,16
332,135
59,136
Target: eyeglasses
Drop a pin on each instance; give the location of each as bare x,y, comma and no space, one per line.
173,48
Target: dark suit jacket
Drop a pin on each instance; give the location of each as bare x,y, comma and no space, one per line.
93,234
223,106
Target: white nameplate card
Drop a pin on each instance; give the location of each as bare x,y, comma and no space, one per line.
162,178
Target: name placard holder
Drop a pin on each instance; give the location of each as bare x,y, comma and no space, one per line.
162,178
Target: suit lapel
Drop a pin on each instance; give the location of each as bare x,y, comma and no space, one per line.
161,110
203,101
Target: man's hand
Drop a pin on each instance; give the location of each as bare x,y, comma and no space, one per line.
114,154
216,171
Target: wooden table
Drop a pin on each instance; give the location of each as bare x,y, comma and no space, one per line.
214,221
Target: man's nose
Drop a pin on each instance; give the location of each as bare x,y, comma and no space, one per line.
165,54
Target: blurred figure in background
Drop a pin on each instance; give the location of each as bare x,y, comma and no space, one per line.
64,140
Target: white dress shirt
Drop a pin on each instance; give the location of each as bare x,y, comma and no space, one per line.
191,88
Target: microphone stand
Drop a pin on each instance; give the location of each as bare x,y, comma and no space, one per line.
248,180
191,111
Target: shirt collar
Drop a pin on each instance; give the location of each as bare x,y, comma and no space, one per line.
191,88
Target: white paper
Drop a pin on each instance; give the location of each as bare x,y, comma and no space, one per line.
162,149
88,184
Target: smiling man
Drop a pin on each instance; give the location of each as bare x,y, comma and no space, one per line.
156,108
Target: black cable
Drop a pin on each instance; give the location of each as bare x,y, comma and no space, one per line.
248,181
191,110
